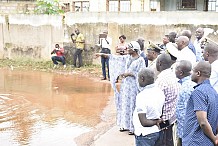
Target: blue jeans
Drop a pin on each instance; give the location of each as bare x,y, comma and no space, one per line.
147,140
61,59
104,62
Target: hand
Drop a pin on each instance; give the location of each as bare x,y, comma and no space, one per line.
158,122
216,140
97,55
124,75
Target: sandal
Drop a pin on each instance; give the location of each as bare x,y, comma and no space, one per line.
122,130
131,133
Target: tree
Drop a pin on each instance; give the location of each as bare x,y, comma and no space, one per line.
48,7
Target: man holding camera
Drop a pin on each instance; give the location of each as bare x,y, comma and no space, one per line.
105,42
79,39
59,56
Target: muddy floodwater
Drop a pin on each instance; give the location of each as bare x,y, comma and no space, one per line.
48,109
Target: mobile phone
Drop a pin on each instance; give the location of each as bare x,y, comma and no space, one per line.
164,124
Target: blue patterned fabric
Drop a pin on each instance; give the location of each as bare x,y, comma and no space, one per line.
203,98
184,95
117,66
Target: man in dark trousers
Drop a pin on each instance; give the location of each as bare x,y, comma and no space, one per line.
79,39
105,42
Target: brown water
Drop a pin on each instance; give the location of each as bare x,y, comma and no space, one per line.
48,109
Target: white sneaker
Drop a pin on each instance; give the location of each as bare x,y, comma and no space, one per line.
65,66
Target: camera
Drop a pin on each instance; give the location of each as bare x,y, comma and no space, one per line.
164,124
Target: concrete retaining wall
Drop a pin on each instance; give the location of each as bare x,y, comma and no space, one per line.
34,36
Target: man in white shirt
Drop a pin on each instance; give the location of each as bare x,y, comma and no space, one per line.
105,42
210,53
197,43
184,52
149,104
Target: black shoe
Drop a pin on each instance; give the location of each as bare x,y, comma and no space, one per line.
122,130
103,79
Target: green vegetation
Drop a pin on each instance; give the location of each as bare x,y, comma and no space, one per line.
47,66
48,7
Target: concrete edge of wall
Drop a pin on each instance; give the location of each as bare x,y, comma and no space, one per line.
155,18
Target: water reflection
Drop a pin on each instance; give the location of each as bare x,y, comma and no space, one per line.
49,109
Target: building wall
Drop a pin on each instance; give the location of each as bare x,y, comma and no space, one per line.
34,36
171,5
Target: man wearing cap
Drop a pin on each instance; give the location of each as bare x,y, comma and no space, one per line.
152,53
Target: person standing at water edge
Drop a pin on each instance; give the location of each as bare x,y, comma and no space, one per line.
126,96
149,104
79,39
59,56
201,120
105,42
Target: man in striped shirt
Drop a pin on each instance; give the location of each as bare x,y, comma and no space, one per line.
168,83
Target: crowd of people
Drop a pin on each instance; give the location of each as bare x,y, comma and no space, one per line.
167,94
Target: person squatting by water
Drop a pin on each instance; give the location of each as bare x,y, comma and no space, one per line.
59,56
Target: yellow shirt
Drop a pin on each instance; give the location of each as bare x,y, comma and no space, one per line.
79,38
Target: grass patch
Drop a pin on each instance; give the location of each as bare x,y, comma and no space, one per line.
47,66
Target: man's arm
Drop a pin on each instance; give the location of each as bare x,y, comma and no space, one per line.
205,126
147,122
72,36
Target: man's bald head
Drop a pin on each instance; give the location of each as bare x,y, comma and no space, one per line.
199,33
201,72
212,49
210,52
182,42
187,33
204,68
183,69
163,62
146,77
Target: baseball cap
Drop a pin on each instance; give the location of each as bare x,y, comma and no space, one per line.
134,45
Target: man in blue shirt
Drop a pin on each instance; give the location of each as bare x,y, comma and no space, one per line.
183,73
201,121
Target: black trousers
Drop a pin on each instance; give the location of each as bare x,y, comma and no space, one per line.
166,137
78,54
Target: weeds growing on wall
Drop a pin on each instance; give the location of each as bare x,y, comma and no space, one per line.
48,7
